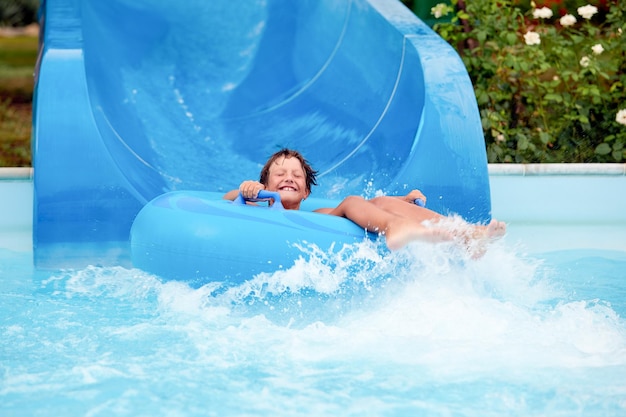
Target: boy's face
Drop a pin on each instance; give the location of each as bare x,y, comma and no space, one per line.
287,177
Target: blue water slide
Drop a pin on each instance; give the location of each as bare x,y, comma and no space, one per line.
135,98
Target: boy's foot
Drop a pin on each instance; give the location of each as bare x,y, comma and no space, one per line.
477,247
495,229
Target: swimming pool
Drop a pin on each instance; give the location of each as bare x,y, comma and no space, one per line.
535,328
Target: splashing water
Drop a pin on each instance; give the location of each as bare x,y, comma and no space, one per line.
424,331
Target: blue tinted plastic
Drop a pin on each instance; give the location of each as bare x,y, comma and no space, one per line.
137,98
262,195
198,237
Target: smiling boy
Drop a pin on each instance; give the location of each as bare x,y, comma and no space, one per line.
397,218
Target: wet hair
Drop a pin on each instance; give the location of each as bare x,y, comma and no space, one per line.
310,173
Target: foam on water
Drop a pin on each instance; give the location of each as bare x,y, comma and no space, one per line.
426,328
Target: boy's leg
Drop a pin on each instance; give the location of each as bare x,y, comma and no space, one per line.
398,230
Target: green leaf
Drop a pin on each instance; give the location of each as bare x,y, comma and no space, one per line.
511,38
554,97
618,155
544,137
603,149
522,143
616,86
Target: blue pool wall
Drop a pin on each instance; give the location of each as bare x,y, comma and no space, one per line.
559,193
521,193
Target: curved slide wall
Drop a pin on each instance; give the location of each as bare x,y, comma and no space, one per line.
138,97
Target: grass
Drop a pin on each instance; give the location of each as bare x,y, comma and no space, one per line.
18,56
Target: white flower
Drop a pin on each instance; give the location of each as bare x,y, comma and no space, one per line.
584,61
620,117
543,13
439,10
597,49
587,11
568,20
532,38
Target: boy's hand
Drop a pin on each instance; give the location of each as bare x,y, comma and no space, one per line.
250,189
415,195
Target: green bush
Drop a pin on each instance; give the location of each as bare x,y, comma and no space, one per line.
550,87
18,12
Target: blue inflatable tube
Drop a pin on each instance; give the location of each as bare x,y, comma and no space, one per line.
197,237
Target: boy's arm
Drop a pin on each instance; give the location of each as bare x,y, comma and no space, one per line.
231,195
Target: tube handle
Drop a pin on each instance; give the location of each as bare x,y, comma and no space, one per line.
263,195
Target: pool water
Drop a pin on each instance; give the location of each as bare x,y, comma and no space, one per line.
423,333
534,328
